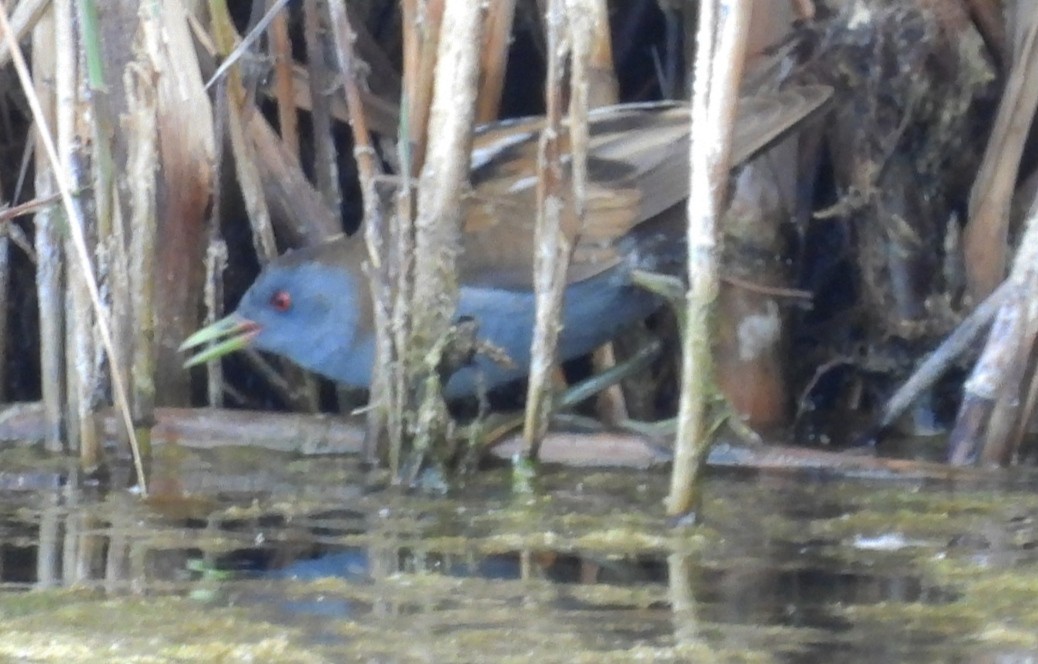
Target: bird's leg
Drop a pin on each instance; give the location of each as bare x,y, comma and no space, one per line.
496,426
672,290
473,432
489,430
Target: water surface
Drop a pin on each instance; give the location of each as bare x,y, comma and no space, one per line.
249,555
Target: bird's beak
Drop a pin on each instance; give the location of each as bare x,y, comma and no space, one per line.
227,335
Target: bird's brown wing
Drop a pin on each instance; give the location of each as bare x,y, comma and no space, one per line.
637,168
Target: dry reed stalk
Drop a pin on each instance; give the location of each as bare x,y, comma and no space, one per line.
410,422
142,132
399,269
183,192
250,183
322,82
53,518
985,235
496,41
750,349
82,366
148,98
573,28
111,235
1029,404
296,387
422,25
302,215
720,44
84,275
437,226
364,150
610,403
298,211
987,388
213,297
274,186
552,247
990,414
284,84
382,113
380,417
259,25
603,89
937,363
302,385
681,584
599,78
399,275
24,18
1007,417
215,251
244,158
50,264
5,291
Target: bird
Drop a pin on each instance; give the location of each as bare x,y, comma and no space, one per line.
313,305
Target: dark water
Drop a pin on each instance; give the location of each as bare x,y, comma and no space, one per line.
255,556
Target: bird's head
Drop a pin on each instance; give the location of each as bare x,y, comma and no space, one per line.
311,306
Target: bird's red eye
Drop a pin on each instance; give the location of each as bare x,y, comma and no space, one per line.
281,301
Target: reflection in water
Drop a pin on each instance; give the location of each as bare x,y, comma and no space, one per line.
299,554
682,599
